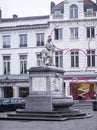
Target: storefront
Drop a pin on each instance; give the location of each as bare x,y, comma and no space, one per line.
14,86
23,92
8,92
83,91
81,86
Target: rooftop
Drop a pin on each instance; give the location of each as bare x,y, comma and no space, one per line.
89,2
24,18
59,6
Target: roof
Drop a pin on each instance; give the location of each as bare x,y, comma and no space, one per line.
89,2
61,4
86,2
25,18
58,7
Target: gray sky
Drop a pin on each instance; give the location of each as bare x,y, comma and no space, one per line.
24,8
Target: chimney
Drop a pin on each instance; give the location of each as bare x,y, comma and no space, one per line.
52,5
0,14
15,16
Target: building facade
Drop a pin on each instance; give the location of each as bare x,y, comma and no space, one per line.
73,28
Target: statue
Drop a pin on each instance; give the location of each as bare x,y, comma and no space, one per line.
47,53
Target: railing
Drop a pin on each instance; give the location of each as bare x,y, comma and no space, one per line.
57,16
88,14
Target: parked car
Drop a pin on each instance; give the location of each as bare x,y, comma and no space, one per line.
11,104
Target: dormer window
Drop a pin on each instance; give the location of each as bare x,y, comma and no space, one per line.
73,11
58,15
90,12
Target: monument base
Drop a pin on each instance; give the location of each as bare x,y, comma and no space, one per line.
38,107
46,100
46,116
39,103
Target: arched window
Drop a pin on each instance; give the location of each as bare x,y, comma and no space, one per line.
73,11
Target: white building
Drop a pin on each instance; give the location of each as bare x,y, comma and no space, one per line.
73,28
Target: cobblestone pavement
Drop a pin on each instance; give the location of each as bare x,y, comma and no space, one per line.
77,124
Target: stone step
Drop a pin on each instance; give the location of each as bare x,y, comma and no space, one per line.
47,115
34,118
40,118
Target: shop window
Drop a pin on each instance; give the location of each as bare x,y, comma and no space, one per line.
83,91
8,92
23,92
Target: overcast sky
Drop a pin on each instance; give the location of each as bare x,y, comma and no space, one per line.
24,8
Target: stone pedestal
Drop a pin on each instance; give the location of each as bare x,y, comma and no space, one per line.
45,83
39,103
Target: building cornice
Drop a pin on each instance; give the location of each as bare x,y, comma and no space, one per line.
13,78
73,20
24,27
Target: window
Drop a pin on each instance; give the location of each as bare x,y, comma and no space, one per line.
23,64
6,41
90,32
58,34
6,64
73,11
74,59
90,12
39,59
74,33
40,39
90,58
59,58
23,40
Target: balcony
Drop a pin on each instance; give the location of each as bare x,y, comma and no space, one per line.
90,14
57,16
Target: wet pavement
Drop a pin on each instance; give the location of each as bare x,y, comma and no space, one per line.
76,124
